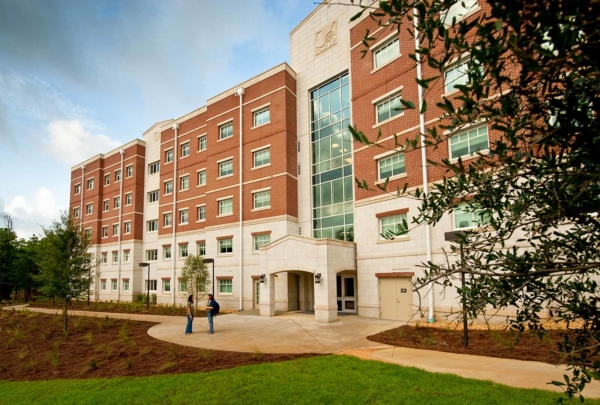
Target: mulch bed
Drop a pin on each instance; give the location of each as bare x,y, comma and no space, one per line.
494,343
34,347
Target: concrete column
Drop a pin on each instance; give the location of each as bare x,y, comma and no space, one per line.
302,291
267,296
326,298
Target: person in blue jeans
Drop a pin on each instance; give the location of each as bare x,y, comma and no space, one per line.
210,313
191,311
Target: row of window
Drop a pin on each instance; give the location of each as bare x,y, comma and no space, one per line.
224,286
89,207
117,176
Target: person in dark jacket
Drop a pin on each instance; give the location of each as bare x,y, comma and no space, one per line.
210,313
191,312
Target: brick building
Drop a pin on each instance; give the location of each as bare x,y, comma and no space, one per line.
275,152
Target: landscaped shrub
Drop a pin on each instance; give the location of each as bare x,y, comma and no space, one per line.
154,298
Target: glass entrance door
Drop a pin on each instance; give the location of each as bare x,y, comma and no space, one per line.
257,295
349,294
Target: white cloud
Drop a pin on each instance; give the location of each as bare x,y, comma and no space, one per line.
28,218
71,143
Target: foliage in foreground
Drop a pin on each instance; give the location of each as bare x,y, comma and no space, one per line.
533,76
328,379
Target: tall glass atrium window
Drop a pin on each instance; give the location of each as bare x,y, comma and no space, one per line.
332,178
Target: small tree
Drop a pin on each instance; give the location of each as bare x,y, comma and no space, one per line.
65,266
8,240
197,277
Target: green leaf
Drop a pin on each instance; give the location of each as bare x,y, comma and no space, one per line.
423,107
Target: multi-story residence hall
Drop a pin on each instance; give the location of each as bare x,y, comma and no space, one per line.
261,179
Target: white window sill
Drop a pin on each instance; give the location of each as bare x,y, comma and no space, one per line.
165,195
261,125
386,63
396,239
388,120
469,14
225,215
183,190
225,255
201,150
128,177
260,167
450,93
129,233
184,157
184,223
168,163
392,178
224,139
127,205
224,177
201,185
261,209
471,157
225,293
167,226
200,220
152,202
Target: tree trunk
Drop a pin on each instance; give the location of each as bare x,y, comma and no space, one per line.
65,315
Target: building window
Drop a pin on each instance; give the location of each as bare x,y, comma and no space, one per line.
117,176
77,189
167,252
183,285
201,213
391,166
105,231
117,202
226,207
153,167
168,219
226,246
90,184
226,168
128,199
202,142
169,156
76,212
262,157
183,251
103,284
183,216
125,285
262,117
104,257
88,233
167,285
152,255
225,286
153,196
127,228
393,226
457,75
466,217
185,149
226,130
389,108
115,229
126,256
262,199
260,240
152,226
201,248
114,284
458,10
185,182
202,178
387,52
89,208
151,285
469,142
115,257
107,180
168,187
106,206
129,172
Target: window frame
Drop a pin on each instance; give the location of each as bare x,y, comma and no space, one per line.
469,155
129,168
221,165
116,229
185,146
90,184
392,176
115,257
394,225
388,100
167,253
118,175
77,188
255,238
229,286
165,216
228,124
184,251
221,204
168,182
152,226
107,180
105,205
117,202
151,255
202,141
256,116
128,199
153,166
127,228
201,246
255,154
104,257
257,194
125,285
169,154
89,208
222,246
187,216
460,209
201,213
202,175
385,45
154,194
105,232
185,178
149,284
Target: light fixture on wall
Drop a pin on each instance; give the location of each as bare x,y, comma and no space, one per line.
318,278
262,278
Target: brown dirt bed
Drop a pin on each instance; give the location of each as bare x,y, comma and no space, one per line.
493,343
34,347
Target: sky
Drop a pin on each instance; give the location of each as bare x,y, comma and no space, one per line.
78,78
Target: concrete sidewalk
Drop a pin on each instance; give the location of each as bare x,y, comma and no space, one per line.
299,333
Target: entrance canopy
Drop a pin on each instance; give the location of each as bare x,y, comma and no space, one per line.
322,257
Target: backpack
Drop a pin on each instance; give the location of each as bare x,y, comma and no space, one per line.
216,307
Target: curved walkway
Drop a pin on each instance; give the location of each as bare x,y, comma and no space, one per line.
299,333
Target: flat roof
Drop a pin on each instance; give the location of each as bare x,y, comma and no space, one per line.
109,154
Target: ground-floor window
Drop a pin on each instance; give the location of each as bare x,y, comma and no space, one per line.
261,240
183,285
226,246
225,286
114,284
103,285
125,285
167,285
152,285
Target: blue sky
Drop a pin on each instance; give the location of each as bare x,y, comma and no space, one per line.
79,78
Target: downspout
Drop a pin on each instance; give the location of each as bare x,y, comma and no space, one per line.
240,94
120,223
174,216
423,154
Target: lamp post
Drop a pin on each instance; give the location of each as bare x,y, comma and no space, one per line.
147,285
205,261
458,236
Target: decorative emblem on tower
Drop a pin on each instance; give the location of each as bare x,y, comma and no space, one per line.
325,38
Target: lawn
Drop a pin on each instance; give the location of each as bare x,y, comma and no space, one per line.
316,380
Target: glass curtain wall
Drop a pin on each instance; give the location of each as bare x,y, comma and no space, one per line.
332,178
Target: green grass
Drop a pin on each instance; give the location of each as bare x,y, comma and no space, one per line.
330,379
